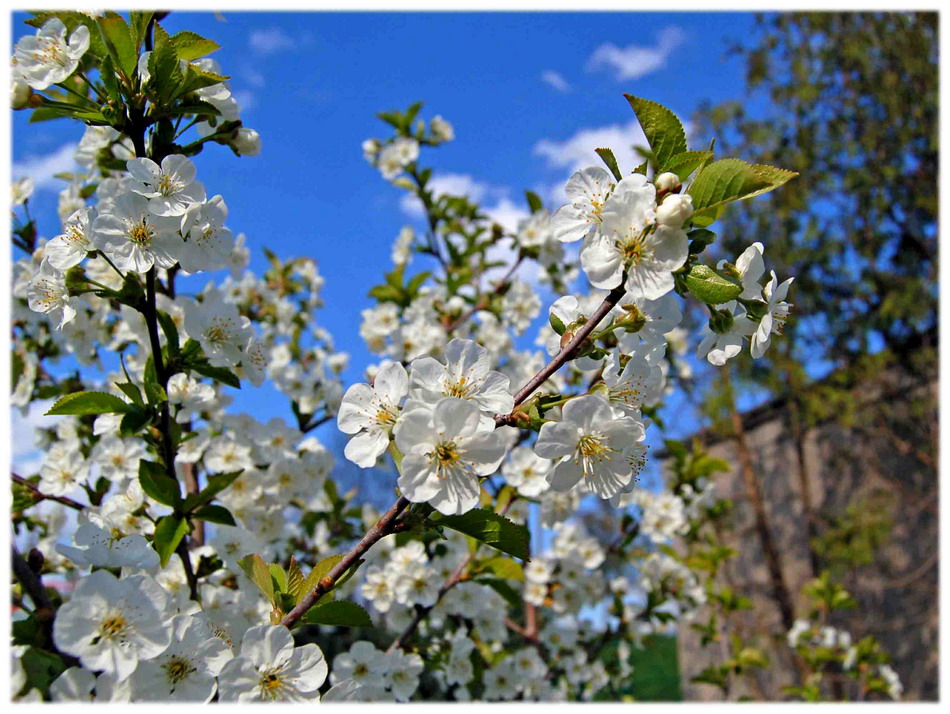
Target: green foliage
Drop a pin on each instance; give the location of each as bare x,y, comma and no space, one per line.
85,403
169,530
711,287
157,484
492,529
662,128
339,612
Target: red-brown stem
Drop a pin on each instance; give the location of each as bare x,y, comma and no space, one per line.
40,496
382,528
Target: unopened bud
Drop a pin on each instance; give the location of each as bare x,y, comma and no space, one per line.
566,339
20,93
675,210
667,182
729,270
721,322
246,142
633,318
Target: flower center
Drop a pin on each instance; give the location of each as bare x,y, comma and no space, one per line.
385,417
141,233
178,669
112,627
460,389
591,450
168,185
271,684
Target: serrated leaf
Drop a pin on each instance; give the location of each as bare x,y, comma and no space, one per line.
607,156
686,163
662,128
138,26
157,484
730,180
339,613
191,46
492,529
221,374
504,568
215,514
295,580
258,573
82,403
169,530
216,484
320,571
279,576
171,333
119,40
710,287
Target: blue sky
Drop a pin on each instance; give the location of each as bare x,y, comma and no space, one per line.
530,95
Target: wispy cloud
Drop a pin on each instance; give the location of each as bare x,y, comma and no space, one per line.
43,168
268,41
633,62
577,151
555,80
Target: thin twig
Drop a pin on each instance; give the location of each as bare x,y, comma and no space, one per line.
40,496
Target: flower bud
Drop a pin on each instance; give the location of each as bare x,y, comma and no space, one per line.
721,321
20,93
675,210
633,318
667,182
246,142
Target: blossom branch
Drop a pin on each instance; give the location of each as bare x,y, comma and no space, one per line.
40,496
567,351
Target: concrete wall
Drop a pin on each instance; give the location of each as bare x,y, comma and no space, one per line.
888,451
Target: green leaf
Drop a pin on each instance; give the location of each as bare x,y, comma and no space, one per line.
684,164
504,589
157,484
556,324
492,529
663,130
169,530
119,41
134,421
534,201
171,333
295,580
339,612
730,180
138,26
221,374
82,403
319,572
504,568
607,156
216,484
279,576
164,68
191,45
710,287
42,668
215,514
257,571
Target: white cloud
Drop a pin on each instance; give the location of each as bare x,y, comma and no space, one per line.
555,80
268,41
577,151
633,62
43,168
26,458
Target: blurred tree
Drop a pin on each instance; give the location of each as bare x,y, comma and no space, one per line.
850,101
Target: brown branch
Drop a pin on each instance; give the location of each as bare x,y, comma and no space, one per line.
382,528
567,351
40,496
